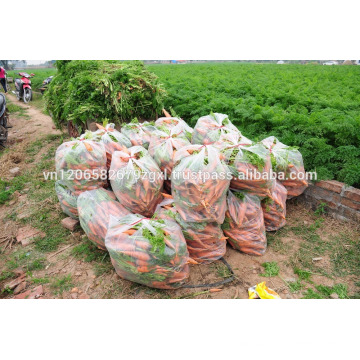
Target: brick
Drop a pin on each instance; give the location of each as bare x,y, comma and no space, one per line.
69,223
14,283
350,204
31,294
352,194
331,204
350,214
331,185
84,296
318,193
26,234
21,287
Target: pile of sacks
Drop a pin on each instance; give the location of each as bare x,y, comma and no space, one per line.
159,196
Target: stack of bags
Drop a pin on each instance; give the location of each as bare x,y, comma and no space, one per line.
161,195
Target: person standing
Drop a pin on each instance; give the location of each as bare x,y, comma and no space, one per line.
2,78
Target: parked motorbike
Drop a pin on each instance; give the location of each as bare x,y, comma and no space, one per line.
4,124
23,87
45,84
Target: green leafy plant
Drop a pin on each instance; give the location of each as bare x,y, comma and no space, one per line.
85,90
265,99
271,269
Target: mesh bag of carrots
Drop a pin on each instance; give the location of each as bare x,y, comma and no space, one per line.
136,180
199,184
170,123
81,164
244,223
112,139
205,240
208,129
68,200
139,133
148,251
163,146
95,208
288,161
274,208
251,168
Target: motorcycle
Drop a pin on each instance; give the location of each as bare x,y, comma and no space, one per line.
23,87
4,125
45,84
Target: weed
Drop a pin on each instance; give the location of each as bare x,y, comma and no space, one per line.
295,286
345,255
89,252
41,281
222,270
29,260
312,294
324,292
271,269
103,268
303,274
62,284
321,209
4,275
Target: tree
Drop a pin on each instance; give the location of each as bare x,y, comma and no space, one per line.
5,64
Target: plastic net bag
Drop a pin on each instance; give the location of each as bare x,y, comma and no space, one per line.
274,208
112,139
81,164
208,129
244,223
170,123
139,133
205,240
287,160
199,184
228,142
68,200
251,168
95,208
164,145
136,180
149,252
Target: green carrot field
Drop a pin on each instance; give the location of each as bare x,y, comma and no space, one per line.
311,106
314,107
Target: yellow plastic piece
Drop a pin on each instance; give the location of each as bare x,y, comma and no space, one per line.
261,291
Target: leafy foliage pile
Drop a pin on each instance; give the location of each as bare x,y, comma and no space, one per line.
97,90
314,107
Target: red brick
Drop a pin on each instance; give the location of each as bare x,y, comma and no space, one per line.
350,214
352,194
350,204
69,223
27,233
14,283
21,287
330,204
319,193
331,185
84,296
31,294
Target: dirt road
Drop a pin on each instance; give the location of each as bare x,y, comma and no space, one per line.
313,255
37,124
